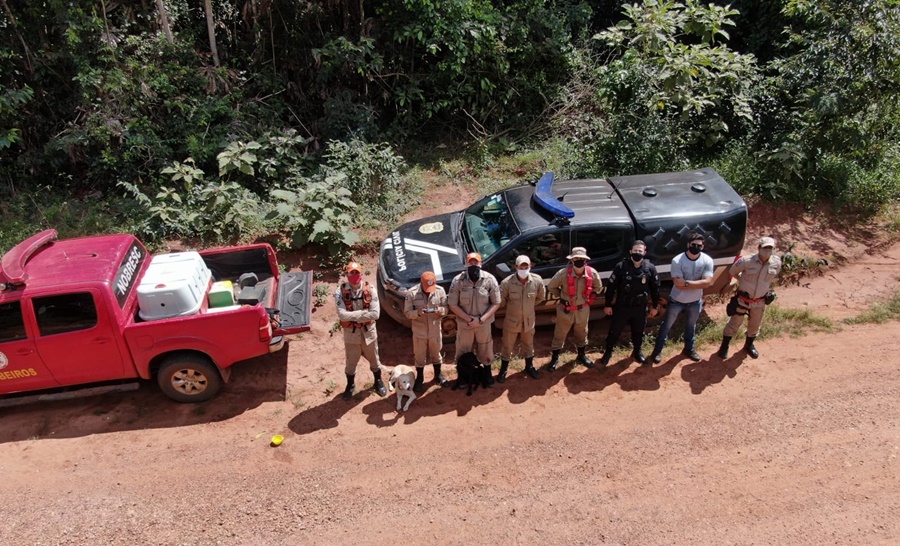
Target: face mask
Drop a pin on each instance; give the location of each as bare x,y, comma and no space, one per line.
354,278
765,253
474,272
695,249
523,273
578,263
637,256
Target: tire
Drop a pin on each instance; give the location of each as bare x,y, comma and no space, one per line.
189,378
448,328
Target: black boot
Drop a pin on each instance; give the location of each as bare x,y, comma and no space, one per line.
439,377
554,360
351,386
607,356
529,368
750,349
504,367
419,385
488,376
582,358
723,348
379,384
639,357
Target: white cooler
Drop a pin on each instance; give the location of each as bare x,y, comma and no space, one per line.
174,285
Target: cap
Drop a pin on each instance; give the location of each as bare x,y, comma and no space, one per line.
473,256
578,252
523,259
353,266
429,282
766,241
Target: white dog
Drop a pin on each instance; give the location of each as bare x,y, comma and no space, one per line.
403,378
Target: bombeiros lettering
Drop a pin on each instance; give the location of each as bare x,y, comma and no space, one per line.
18,374
129,270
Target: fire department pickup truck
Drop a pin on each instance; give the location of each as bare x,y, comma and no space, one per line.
546,220
99,313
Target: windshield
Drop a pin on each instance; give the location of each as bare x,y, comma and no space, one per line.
489,225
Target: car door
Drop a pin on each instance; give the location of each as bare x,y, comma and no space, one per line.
606,245
21,368
76,338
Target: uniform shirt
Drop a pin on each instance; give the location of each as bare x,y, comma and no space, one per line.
429,324
756,276
634,286
474,298
559,285
520,299
358,313
690,270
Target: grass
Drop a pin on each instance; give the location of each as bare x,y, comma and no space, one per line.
879,313
777,322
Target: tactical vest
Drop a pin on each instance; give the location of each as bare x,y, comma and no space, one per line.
348,303
635,293
588,294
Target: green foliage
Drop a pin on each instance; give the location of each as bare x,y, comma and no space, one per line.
316,211
373,175
879,313
671,91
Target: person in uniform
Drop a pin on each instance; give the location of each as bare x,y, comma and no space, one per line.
632,285
756,274
520,292
692,271
576,286
474,298
358,309
425,305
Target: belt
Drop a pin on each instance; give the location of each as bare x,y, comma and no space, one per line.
572,307
750,300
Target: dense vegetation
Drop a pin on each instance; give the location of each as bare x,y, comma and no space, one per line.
229,120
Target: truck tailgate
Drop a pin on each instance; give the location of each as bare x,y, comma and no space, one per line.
294,298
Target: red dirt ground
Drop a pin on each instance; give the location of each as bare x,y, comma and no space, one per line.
798,447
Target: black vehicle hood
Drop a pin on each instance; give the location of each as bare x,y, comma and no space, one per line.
430,244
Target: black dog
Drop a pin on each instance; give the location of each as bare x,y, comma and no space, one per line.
470,372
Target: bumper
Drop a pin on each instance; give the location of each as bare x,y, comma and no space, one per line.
276,344
392,302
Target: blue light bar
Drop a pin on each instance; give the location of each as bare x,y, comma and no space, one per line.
545,199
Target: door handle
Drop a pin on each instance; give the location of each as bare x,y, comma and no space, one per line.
24,352
101,340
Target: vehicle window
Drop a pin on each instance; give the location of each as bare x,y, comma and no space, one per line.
489,225
603,244
548,249
12,326
65,313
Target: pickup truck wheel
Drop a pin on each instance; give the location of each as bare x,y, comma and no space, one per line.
189,378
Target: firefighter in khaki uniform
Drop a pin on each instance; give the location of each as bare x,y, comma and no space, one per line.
519,292
756,276
425,305
358,309
474,298
576,286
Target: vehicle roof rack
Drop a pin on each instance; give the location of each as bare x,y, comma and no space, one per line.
543,196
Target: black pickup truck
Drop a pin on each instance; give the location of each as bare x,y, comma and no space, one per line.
546,219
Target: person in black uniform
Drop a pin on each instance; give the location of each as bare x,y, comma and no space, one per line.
632,285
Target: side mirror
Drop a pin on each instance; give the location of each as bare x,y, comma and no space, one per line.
503,270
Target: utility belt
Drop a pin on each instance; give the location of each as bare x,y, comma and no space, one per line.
745,297
569,307
355,325
637,300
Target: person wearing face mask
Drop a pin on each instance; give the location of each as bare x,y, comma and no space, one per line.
692,271
520,292
424,306
576,286
474,298
358,309
632,285
756,274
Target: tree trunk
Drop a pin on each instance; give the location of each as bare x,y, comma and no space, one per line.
211,30
164,20
15,25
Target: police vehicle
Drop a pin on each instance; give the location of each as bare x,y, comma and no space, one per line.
546,219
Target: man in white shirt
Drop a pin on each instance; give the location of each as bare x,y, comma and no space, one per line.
692,271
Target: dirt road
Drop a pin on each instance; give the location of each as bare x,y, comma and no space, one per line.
798,447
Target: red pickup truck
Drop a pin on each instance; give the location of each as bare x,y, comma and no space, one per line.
95,312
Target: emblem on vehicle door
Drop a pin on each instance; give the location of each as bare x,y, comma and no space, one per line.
3,361
434,227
